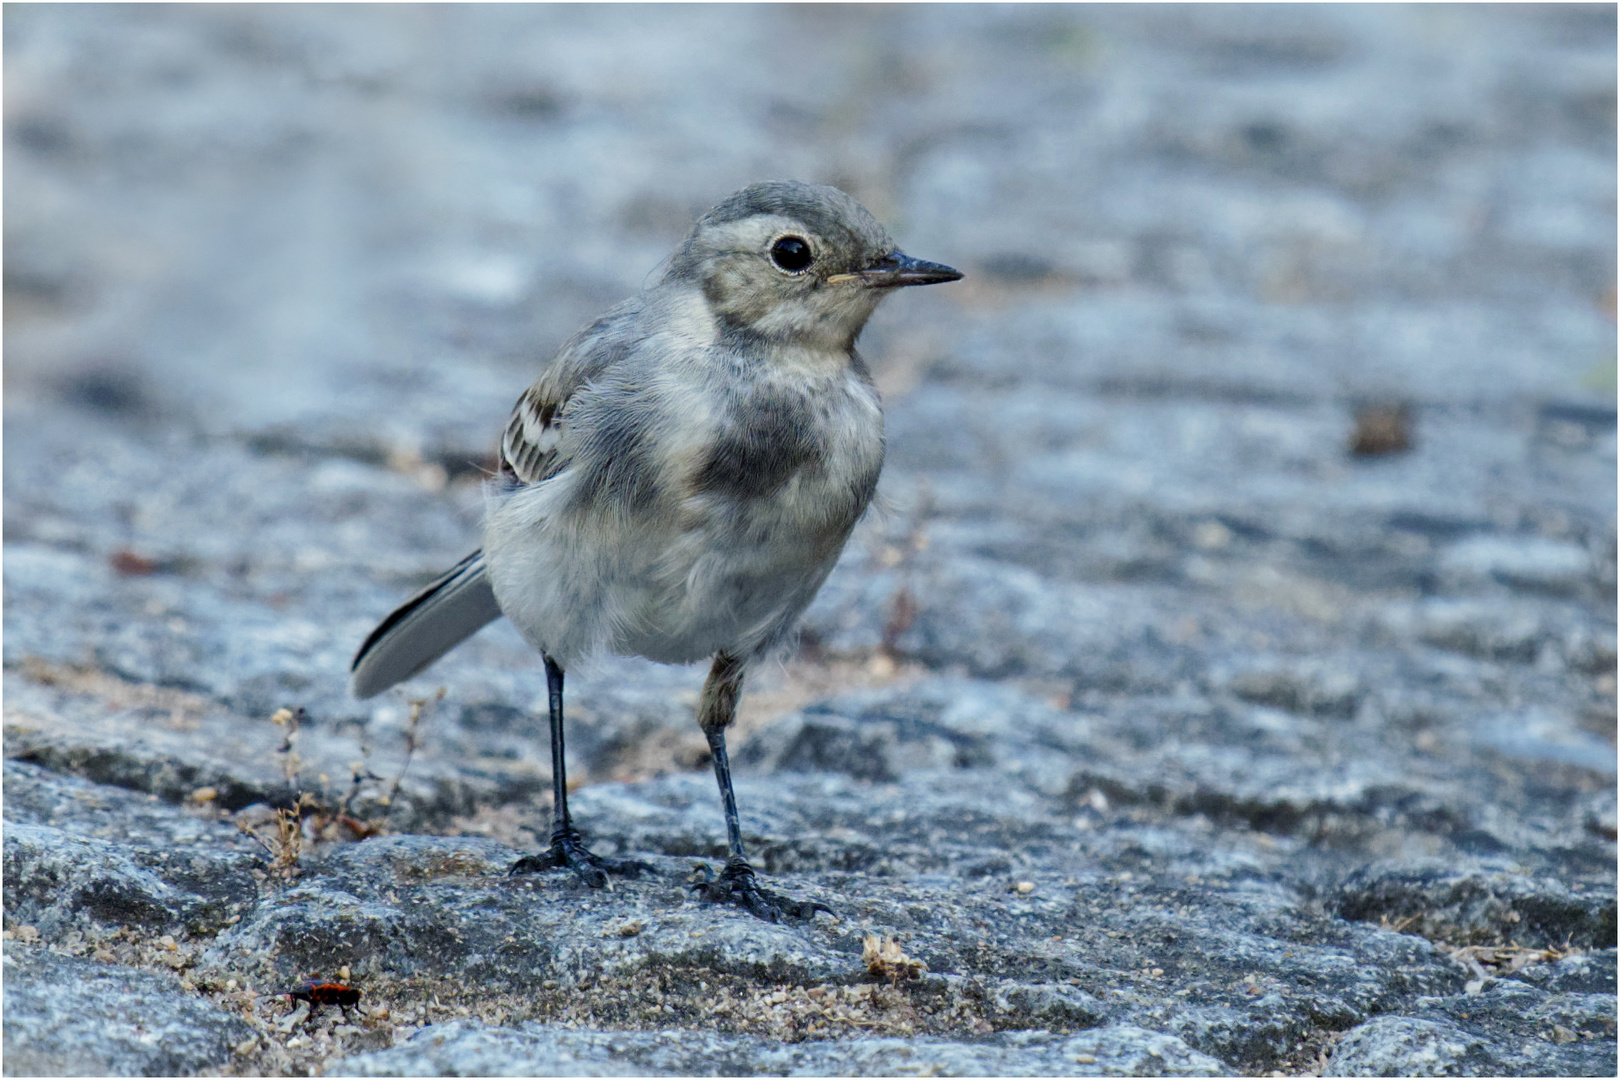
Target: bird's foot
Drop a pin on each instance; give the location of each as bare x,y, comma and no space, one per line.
738,885
568,851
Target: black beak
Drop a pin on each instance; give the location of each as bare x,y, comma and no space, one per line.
897,268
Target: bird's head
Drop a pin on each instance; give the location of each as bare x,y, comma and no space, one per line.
795,263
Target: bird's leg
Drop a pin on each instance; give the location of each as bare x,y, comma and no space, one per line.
567,849
736,883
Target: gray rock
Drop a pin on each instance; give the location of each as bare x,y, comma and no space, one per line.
1056,1003
1587,973
1562,1035
1299,687
1481,907
1528,563
1489,631
460,1048
103,811
1401,1046
72,1017
60,881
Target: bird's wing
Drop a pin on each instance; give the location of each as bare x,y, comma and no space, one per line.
533,447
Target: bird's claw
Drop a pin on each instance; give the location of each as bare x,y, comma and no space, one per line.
738,885
568,851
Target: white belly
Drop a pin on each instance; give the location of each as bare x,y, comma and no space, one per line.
677,587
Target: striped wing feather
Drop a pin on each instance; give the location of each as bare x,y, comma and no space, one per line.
531,447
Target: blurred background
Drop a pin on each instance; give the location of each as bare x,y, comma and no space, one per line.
1276,409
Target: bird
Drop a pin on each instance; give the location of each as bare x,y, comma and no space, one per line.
678,483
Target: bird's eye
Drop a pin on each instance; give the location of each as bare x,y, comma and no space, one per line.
791,253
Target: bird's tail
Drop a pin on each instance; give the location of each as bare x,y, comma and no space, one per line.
425,627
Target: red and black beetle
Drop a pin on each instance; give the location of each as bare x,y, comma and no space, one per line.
324,993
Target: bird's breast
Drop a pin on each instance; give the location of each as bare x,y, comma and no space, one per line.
811,445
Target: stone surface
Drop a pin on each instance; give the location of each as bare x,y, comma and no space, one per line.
1400,1046
1160,728
73,1017
533,1050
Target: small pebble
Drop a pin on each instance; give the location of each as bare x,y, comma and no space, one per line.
1383,428
294,1018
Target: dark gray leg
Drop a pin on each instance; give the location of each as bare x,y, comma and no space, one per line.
737,883
567,849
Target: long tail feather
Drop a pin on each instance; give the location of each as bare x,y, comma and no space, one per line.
424,628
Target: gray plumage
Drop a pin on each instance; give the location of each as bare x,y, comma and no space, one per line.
681,479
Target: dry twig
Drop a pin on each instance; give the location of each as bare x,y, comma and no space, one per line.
419,708
291,763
